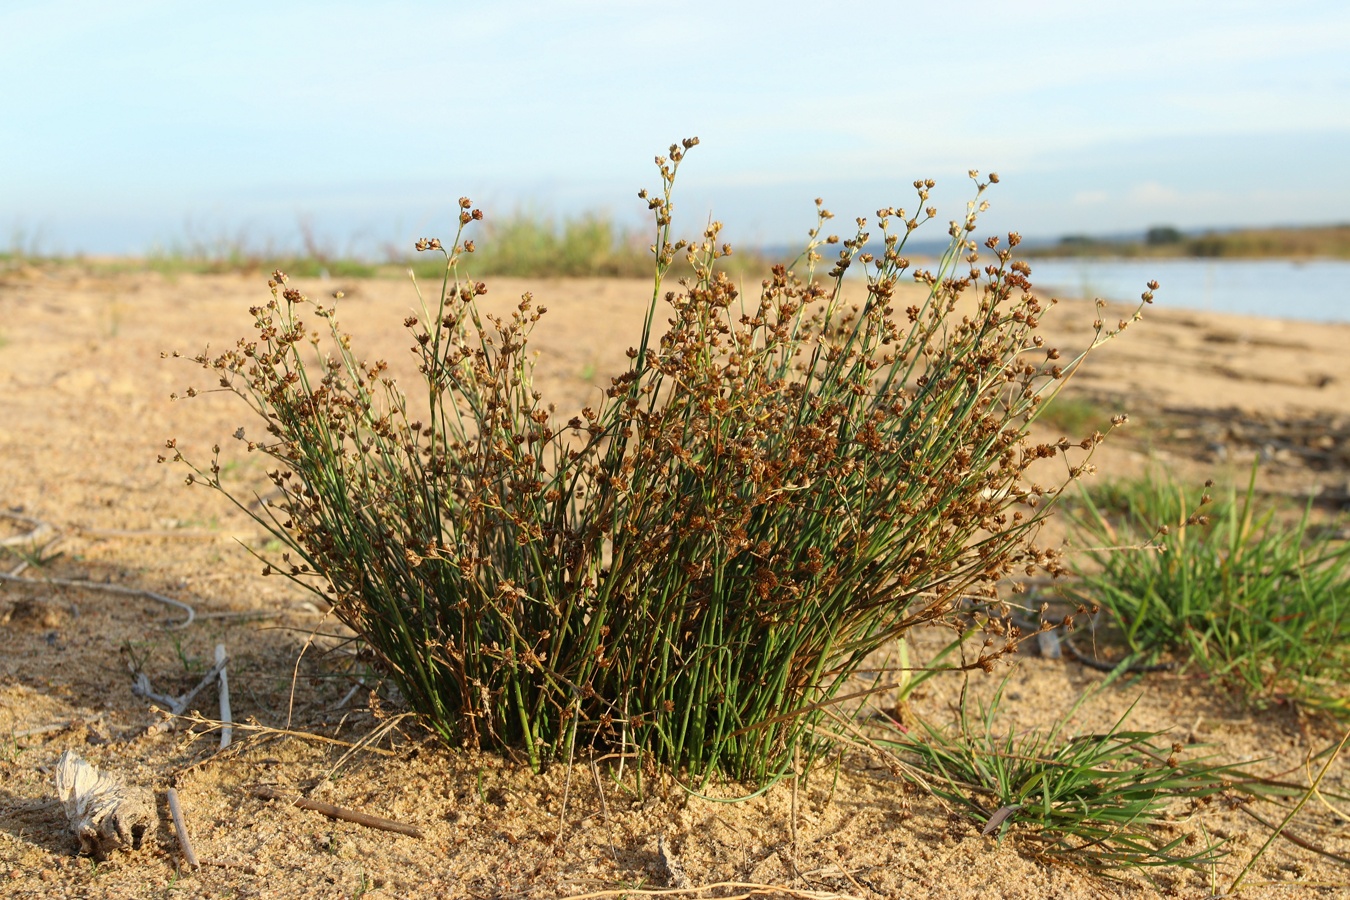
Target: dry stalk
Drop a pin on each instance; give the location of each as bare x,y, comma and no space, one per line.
53,727
892,762
150,534
37,530
347,697
1279,830
368,742
295,674
40,529
253,728
1295,839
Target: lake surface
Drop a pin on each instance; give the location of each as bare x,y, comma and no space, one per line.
1315,290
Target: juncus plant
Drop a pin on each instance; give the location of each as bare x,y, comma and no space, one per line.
776,486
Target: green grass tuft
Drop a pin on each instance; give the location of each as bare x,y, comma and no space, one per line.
1253,601
1096,800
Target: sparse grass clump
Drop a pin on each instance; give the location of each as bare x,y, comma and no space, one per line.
1254,601
1100,800
776,486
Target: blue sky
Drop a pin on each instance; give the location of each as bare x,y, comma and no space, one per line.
130,124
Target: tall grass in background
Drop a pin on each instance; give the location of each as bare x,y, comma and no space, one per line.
529,245
592,244
776,486
523,244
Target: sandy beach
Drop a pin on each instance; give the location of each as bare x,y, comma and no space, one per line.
85,409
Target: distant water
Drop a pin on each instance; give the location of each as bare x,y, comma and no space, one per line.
1317,290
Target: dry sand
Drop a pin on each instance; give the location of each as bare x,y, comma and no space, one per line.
84,411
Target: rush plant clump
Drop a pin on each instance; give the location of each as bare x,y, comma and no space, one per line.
775,487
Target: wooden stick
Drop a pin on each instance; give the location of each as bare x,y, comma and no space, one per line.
337,812
180,827
226,733
247,614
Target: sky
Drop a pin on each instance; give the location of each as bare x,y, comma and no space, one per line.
136,125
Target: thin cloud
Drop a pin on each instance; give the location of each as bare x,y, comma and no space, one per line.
1151,193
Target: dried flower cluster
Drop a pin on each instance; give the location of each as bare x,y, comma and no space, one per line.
774,488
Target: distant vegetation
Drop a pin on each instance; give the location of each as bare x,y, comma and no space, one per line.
521,244
1327,241
592,244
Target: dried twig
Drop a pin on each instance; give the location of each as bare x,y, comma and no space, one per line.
180,827
347,698
227,732
368,741
1295,839
40,529
112,589
242,614
198,719
177,705
1279,829
37,530
337,812
53,727
295,675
